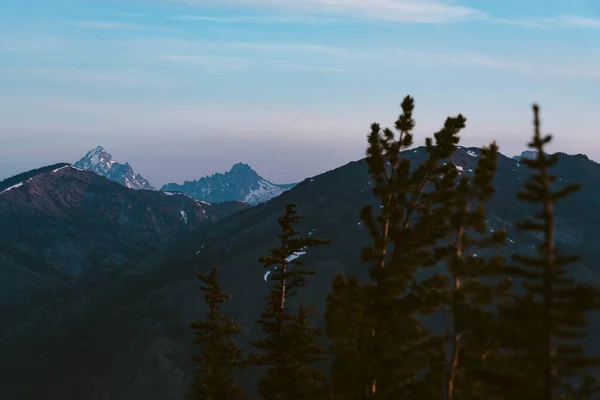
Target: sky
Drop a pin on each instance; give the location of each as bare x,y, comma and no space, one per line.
185,88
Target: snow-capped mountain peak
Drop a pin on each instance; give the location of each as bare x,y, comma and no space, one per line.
99,161
97,157
240,183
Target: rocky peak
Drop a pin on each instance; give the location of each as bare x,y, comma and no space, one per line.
99,161
527,154
243,171
240,183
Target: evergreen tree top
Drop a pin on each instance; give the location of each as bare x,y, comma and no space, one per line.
213,291
220,355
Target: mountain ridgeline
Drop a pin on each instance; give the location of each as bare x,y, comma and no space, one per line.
240,183
429,310
64,229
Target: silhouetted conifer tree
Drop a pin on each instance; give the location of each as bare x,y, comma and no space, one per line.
379,345
290,348
473,287
220,355
546,320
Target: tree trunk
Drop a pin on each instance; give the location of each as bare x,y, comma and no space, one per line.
455,335
283,285
548,273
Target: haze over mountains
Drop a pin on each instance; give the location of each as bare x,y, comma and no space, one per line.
119,266
240,183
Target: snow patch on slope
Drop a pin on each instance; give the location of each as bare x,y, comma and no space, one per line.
290,258
265,192
58,169
241,183
12,187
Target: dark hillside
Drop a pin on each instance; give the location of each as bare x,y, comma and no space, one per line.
136,334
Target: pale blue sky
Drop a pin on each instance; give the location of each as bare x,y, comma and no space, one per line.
185,88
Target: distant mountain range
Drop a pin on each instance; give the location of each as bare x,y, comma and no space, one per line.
136,329
241,182
101,162
91,270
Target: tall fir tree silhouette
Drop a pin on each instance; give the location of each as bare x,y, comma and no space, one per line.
379,345
546,319
474,285
290,348
220,356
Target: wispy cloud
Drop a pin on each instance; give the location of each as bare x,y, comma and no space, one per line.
473,60
213,64
311,68
106,25
562,21
307,20
178,45
415,11
575,21
569,71
490,62
152,45
104,78
525,23
33,44
130,15
210,64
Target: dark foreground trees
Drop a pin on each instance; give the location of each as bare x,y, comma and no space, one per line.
290,348
509,331
381,349
220,355
545,321
473,286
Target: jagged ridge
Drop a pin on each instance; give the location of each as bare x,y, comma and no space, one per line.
240,183
98,160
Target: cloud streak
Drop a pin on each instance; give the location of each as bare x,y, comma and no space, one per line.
210,64
191,46
311,68
113,78
562,21
575,21
413,11
106,25
409,11
130,15
306,20
473,60
486,61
